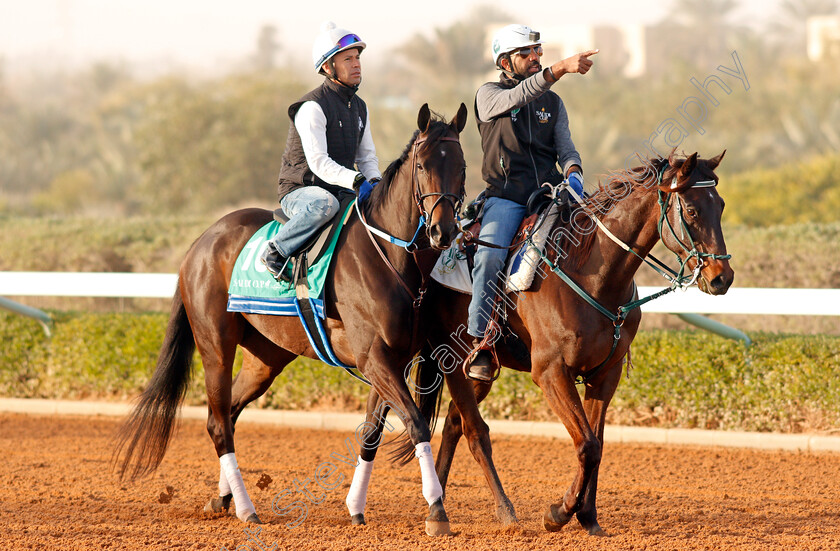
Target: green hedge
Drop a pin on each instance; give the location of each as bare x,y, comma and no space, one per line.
804,191
693,379
784,383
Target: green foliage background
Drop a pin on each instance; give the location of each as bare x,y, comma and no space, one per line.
782,383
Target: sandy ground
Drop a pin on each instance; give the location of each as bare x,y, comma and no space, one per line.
59,493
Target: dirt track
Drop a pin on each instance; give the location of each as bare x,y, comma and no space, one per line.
58,493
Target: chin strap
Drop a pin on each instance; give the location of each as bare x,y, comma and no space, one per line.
332,77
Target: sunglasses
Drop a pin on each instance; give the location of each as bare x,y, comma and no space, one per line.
525,52
343,42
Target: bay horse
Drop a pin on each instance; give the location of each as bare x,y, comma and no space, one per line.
567,338
369,321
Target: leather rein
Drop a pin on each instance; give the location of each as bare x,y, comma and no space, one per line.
422,259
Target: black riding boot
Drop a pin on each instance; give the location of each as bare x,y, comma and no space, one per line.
274,262
481,367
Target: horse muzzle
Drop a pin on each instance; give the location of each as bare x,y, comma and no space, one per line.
716,277
441,235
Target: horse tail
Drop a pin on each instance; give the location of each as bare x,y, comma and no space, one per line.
145,435
428,384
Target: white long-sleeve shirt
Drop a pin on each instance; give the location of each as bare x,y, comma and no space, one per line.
311,125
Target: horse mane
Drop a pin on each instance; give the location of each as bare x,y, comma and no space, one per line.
437,129
602,201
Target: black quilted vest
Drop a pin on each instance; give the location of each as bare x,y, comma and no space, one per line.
346,115
518,146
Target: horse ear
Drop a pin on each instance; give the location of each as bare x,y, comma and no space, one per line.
715,161
424,117
688,166
680,181
460,120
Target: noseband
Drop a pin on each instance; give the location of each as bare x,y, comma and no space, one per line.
455,201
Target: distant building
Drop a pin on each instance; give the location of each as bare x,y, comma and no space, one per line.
824,37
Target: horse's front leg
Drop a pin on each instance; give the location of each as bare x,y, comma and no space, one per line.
385,373
596,400
465,417
356,500
559,389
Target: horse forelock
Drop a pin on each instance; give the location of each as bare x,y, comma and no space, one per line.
438,128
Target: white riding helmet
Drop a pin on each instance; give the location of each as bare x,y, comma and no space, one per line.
332,40
512,37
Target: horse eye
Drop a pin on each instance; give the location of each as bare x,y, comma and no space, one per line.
419,167
690,211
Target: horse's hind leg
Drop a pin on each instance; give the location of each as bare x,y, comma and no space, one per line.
450,436
452,432
262,362
465,418
562,396
216,338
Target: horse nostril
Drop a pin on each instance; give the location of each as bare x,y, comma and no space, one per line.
720,283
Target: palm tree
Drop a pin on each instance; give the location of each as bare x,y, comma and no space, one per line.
455,58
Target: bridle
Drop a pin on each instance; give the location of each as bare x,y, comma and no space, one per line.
425,217
664,200
423,261
455,201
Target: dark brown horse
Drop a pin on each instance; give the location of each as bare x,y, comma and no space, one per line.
370,320
568,338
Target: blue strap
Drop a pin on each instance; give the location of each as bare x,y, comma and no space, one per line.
390,238
332,361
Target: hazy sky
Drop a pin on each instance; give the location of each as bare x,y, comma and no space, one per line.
211,33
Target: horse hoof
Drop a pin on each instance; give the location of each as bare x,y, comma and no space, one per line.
506,514
358,519
596,530
555,518
218,504
253,519
589,522
437,523
436,528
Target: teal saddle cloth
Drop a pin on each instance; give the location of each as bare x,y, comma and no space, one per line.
254,291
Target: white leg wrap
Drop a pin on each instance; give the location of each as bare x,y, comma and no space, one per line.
357,496
224,487
431,484
244,507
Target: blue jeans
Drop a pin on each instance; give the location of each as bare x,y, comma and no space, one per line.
308,208
501,219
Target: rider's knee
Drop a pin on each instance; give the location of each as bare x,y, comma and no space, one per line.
323,207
